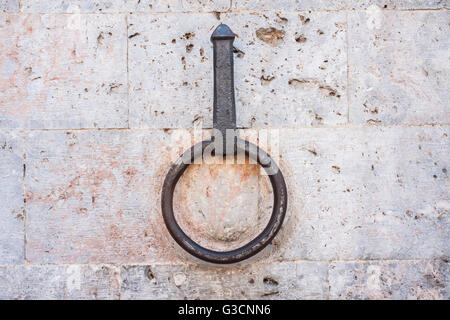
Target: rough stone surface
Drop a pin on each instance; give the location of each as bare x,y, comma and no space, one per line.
170,80
290,69
346,186
63,71
390,280
398,4
94,197
399,67
95,97
11,198
366,193
291,5
220,205
9,6
281,280
297,78
59,282
117,6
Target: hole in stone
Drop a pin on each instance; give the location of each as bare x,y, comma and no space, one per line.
223,206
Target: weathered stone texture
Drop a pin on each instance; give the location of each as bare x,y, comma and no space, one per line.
11,198
63,71
293,72
94,197
93,97
398,4
390,280
218,205
280,280
9,6
366,193
290,5
118,6
399,67
170,70
153,6
59,282
290,69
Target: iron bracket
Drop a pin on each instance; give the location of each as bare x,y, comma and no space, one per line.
225,142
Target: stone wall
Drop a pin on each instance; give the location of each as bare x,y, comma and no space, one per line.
94,94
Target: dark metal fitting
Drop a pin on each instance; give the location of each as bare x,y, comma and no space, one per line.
224,119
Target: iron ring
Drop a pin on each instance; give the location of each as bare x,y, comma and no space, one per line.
255,245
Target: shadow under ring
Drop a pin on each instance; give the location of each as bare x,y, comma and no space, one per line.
260,241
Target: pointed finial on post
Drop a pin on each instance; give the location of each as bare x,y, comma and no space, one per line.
222,32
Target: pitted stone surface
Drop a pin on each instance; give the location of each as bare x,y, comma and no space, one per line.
281,280
11,198
119,6
9,6
220,204
342,184
294,5
398,4
94,197
367,193
290,69
59,282
289,5
399,67
93,97
63,71
390,280
170,70
293,70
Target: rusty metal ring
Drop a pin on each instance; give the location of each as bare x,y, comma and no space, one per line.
254,246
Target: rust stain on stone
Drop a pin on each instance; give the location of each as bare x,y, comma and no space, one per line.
216,204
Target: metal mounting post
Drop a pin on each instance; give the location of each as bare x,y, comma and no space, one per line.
224,114
224,142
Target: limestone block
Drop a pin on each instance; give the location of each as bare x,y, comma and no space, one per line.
59,282
11,198
295,5
289,5
119,6
9,6
399,280
281,280
365,193
63,71
398,4
94,197
399,67
290,69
